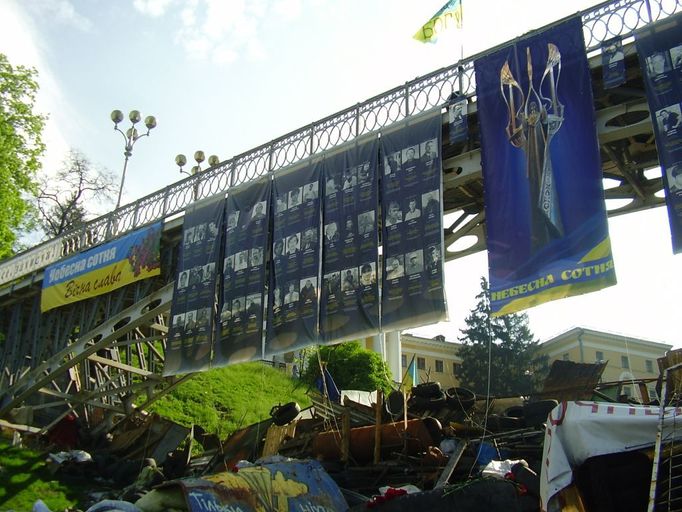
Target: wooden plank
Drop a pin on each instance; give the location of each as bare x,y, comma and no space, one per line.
19,428
345,435
122,366
377,426
450,466
275,435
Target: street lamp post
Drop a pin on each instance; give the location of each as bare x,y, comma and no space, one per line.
130,137
199,157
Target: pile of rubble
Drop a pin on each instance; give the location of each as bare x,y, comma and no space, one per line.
438,449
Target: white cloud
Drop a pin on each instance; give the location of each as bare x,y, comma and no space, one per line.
187,15
154,8
222,31
287,9
223,54
61,11
255,50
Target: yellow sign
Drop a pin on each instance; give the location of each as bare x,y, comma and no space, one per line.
103,269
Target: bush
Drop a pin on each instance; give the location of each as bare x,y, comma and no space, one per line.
351,366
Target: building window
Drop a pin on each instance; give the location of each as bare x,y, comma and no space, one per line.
565,357
421,363
600,356
624,362
626,391
439,366
649,366
403,360
455,368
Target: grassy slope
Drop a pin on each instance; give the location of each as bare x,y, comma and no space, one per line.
226,399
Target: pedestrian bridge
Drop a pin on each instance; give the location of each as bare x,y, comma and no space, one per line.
103,357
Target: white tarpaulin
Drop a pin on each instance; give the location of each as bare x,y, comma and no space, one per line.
577,431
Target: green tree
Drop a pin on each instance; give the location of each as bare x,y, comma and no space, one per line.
514,367
351,366
64,200
21,147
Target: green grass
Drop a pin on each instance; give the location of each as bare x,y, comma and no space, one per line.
24,478
227,399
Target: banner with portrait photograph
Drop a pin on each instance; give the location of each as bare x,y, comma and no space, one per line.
412,224
458,125
295,264
547,230
660,53
239,330
613,63
349,306
190,338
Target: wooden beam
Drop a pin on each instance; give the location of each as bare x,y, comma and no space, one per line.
377,426
345,434
122,366
450,466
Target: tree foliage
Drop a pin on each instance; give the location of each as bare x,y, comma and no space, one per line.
351,366
21,147
514,365
65,201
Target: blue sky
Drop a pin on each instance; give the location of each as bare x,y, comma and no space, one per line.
225,76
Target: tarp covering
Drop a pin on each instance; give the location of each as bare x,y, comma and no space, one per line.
577,431
280,486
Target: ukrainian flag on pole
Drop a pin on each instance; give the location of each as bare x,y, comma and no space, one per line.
410,378
448,16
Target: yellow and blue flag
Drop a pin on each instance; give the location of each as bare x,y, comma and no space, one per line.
447,16
410,379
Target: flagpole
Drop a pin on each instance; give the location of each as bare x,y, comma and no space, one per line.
461,39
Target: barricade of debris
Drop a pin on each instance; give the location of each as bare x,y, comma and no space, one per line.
434,449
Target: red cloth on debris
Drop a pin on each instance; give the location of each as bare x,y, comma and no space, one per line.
390,494
65,433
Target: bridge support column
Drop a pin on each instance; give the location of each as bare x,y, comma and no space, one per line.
393,352
379,345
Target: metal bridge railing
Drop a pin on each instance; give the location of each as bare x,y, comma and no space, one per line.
600,23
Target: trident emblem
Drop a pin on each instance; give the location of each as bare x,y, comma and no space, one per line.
535,116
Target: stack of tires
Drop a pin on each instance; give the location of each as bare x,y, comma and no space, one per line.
460,399
394,405
532,414
428,396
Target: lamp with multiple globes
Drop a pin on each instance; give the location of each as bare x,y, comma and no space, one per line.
130,137
199,157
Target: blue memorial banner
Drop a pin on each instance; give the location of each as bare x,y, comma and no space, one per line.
104,268
412,224
293,311
547,230
350,294
239,331
190,338
660,53
458,126
612,63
